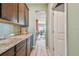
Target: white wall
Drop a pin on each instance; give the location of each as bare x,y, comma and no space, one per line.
73,29
32,15
50,29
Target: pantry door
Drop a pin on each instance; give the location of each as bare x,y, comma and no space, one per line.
59,33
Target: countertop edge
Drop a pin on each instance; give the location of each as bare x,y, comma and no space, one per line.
12,45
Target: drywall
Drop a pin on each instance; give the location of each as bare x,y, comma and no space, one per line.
50,29
73,29
32,15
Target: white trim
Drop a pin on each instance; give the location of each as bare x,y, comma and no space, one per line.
54,4
65,10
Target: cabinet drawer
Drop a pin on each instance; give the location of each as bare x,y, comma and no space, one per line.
21,51
20,45
28,47
10,52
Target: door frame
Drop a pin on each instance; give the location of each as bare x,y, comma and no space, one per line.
66,27
66,24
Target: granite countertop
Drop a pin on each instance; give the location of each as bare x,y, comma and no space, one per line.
12,41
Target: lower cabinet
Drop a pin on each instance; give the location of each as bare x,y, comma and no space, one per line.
21,52
28,46
10,52
23,48
31,43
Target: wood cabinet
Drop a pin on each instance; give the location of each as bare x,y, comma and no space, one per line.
10,52
9,11
28,46
15,12
31,43
21,49
21,52
21,14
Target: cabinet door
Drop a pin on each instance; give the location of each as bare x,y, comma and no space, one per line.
9,11
26,13
21,14
21,49
31,43
28,47
10,52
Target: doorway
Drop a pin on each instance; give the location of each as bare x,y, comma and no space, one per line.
40,49
59,30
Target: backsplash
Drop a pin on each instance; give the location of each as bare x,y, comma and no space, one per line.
7,29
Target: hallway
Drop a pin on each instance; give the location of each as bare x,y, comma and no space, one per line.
52,22
40,49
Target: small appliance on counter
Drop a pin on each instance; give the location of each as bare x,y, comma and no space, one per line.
24,30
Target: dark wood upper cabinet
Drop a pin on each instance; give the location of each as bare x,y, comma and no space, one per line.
9,11
15,12
21,14
26,14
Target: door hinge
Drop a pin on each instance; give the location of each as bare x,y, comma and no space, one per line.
53,49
